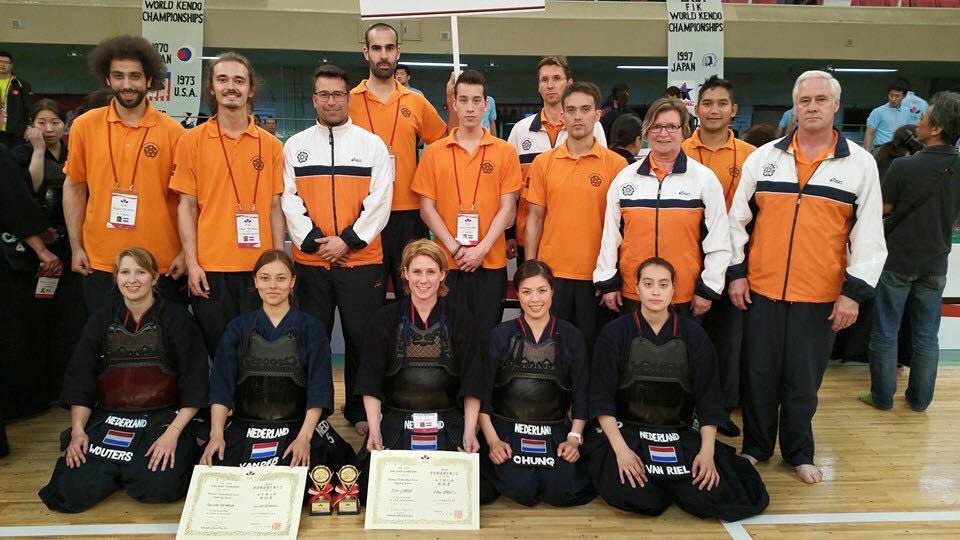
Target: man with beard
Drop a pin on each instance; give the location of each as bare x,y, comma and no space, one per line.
118,172
397,115
229,198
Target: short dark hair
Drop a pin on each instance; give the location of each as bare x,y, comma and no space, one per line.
5,54
584,87
330,71
556,60
127,47
625,130
47,104
716,82
381,26
672,91
759,134
405,68
900,85
98,98
657,261
471,76
530,269
230,56
944,113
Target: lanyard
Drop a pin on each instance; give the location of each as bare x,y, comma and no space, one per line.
256,184
553,325
733,170
456,176
396,120
136,162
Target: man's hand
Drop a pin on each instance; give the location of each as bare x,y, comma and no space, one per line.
511,248
844,314
470,258
178,267
197,281
739,291
332,249
700,305
613,301
80,262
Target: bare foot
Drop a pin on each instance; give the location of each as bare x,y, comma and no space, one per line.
751,459
809,474
361,428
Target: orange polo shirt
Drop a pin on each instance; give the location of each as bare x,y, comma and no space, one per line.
806,168
491,171
574,193
404,117
726,162
553,130
143,159
201,170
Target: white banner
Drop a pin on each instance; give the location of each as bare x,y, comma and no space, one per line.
175,27
397,9
694,45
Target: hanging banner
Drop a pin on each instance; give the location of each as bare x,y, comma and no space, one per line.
396,9
694,45
175,27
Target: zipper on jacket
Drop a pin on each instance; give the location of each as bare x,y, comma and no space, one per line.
333,184
793,229
656,221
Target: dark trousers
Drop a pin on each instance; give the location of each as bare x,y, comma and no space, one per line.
786,349
403,227
231,294
576,301
99,290
480,292
724,324
358,293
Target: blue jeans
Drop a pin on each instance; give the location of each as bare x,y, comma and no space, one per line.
925,296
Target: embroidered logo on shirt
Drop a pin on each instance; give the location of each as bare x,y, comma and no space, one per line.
302,156
526,144
258,163
769,169
151,150
734,171
405,112
486,167
627,190
595,180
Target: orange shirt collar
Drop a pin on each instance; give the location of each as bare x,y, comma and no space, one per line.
251,129
362,89
564,152
150,116
451,139
798,155
697,143
545,121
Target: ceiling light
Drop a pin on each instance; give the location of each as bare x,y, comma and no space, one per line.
432,64
209,57
649,68
863,70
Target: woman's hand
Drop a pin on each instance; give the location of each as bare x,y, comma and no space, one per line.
300,450
705,475
630,467
500,452
374,441
163,451
470,443
569,450
216,445
79,443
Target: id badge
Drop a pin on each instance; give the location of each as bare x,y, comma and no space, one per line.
123,210
248,230
468,229
392,168
425,423
46,287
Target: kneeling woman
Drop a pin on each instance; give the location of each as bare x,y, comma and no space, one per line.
536,368
136,379
652,370
272,369
421,368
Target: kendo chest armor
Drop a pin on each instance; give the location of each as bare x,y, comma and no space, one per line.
529,385
422,377
271,380
135,373
655,386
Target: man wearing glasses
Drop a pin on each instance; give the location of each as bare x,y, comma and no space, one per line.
671,207
337,193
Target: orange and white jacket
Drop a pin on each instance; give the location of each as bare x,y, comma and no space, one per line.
682,219
811,244
337,182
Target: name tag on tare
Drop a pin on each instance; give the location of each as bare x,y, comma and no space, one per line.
46,287
468,229
123,210
248,230
426,422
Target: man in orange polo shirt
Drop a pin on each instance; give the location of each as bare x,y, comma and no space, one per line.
713,144
468,184
567,197
118,171
229,174
398,115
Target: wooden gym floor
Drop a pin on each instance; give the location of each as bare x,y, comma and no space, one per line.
887,474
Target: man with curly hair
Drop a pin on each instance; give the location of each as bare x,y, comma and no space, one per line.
121,158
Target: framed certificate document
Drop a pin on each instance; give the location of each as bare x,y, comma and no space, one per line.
423,490
248,502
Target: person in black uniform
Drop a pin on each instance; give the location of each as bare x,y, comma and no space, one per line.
652,371
272,369
535,370
136,380
421,367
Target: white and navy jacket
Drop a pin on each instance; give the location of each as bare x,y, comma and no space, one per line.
337,182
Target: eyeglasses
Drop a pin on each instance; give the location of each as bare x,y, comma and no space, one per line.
325,96
669,128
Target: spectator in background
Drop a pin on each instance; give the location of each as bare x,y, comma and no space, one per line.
16,98
403,76
270,125
759,134
788,123
904,143
886,118
626,136
921,196
489,120
614,107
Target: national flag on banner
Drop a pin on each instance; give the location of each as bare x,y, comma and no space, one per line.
663,454
264,450
533,446
115,437
423,426
423,442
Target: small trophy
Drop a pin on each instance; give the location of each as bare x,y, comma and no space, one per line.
348,491
322,496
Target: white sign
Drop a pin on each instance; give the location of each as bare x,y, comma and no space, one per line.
175,27
396,9
694,45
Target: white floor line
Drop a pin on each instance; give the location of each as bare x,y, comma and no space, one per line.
736,531
90,530
854,517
